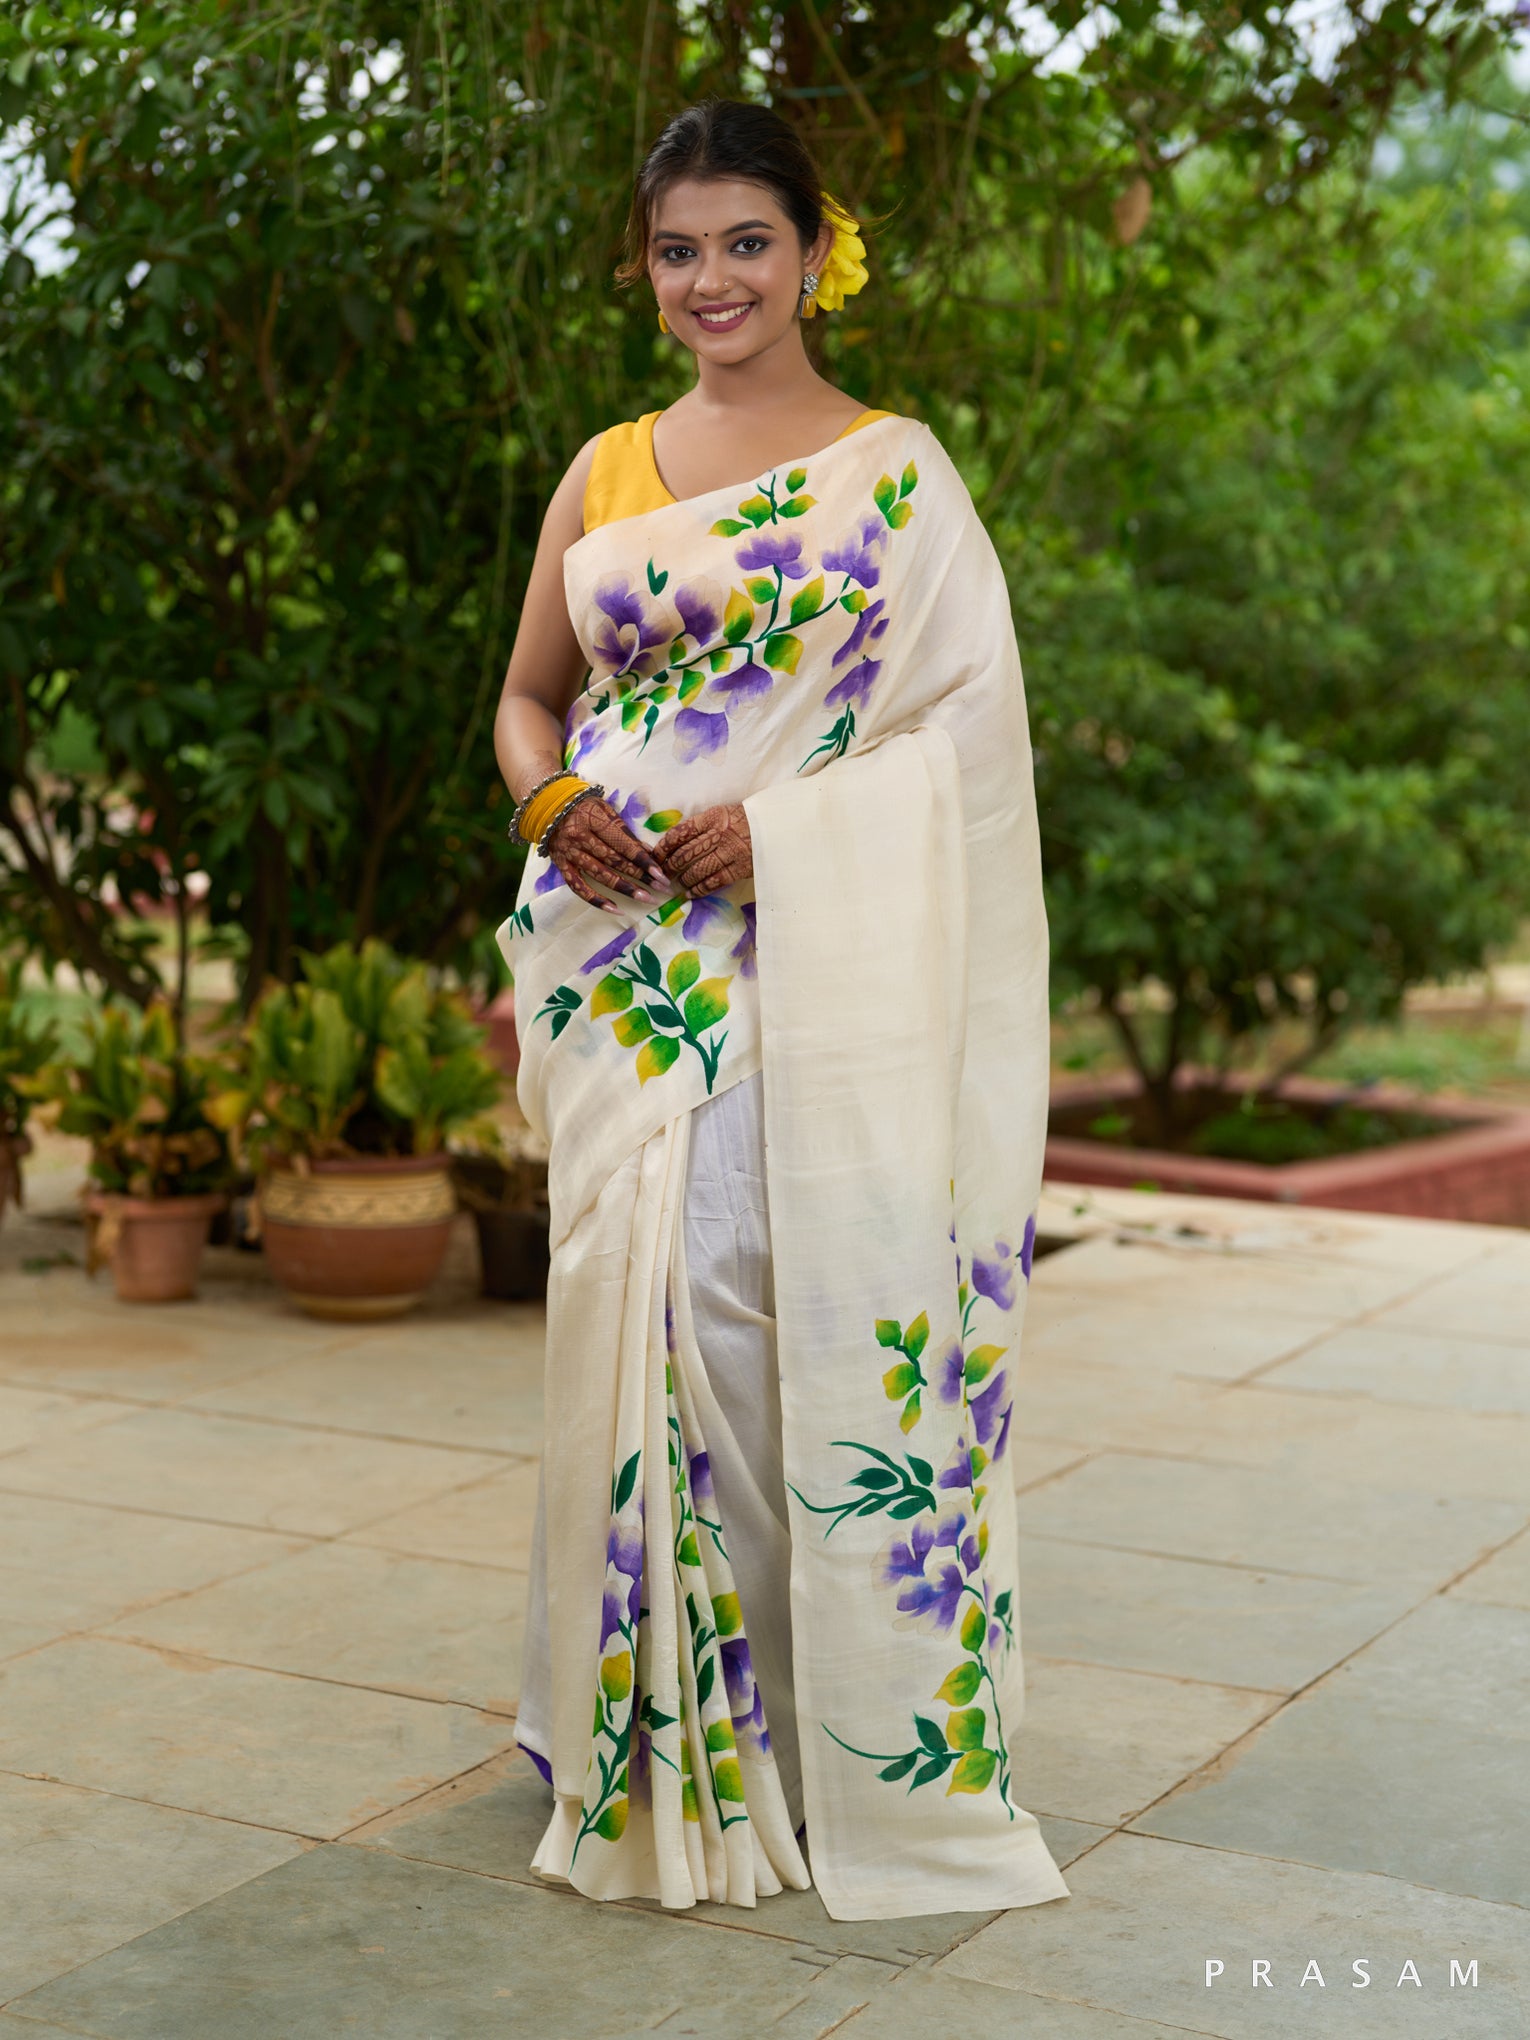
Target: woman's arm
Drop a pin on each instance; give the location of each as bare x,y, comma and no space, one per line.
543,676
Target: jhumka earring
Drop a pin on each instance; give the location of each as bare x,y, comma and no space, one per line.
663,323
809,292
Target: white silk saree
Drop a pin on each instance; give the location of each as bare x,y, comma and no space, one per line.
833,648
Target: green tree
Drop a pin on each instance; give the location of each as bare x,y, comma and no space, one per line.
275,441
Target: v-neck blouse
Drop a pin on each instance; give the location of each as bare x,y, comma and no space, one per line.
624,478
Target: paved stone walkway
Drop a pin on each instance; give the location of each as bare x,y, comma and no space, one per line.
260,1588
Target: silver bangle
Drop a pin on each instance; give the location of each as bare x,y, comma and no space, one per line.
563,772
590,792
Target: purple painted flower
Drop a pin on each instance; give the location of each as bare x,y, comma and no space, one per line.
746,1703
855,686
630,807
699,735
1028,1246
630,630
949,1368
608,952
699,612
903,1557
993,1275
857,556
709,915
773,549
589,739
991,1413
701,1479
742,951
745,683
934,1600
957,1470
539,1761
871,623
548,879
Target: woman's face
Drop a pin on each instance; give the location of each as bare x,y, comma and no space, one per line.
726,265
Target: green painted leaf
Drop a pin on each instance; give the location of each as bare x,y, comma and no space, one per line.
917,1336
921,1469
1001,1604
626,1481
973,1772
874,1477
728,1780
738,618
684,969
899,1380
977,1459
666,818
727,1614
899,515
720,1738
677,649
980,1361
690,687
889,1332
885,494
612,1824
727,527
961,1685
656,1056
656,581
930,1734
707,1004
964,1729
797,506
757,509
706,1674
795,480
612,995
632,713
899,1768
720,660
974,1628
935,1768
631,1028
665,1018
687,1554
910,1415
616,1675
911,1505
647,965
808,600
855,601
910,480
761,587
783,651
670,911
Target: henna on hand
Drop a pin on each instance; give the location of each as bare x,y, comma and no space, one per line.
708,850
592,845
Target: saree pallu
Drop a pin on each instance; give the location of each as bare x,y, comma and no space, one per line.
834,649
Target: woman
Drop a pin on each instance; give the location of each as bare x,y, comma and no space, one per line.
781,988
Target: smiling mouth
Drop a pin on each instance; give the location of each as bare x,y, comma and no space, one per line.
725,319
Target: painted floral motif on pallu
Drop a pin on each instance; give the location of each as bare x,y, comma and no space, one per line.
832,647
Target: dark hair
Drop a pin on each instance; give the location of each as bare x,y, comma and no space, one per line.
724,138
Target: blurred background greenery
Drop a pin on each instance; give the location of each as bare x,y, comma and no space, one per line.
1224,311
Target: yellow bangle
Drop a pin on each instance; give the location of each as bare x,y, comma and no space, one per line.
545,808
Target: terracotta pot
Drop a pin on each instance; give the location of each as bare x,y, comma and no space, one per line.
361,1238
153,1243
512,1252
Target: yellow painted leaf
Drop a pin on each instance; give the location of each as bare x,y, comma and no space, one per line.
720,1738
612,1824
631,1028
728,1779
616,1675
973,1772
684,969
808,600
960,1686
707,1004
738,618
974,1628
964,1729
727,1616
656,1056
612,995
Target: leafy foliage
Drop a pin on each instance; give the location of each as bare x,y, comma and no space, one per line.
142,1104
27,1045
365,1055
276,441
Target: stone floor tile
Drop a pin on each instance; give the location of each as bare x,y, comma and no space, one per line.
1068,1839
356,1940
1223,1624
1412,1759
69,1565
1099,1404
143,1352
1099,1745
1395,1365
1278,1518
17,2026
1289,1280
1504,1579
1146,1916
280,1752
488,1523
16,1637
1176,1336
235,1470
82,1872
925,2004
31,1416
1038,1459
368,1618
1490,1299
477,1385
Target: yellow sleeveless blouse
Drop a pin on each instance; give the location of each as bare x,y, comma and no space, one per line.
624,479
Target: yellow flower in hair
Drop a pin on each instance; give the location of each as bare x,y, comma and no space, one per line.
844,270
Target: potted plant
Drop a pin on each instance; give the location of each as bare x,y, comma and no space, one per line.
502,1181
26,1046
340,1093
158,1165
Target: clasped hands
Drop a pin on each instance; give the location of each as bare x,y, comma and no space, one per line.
699,855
